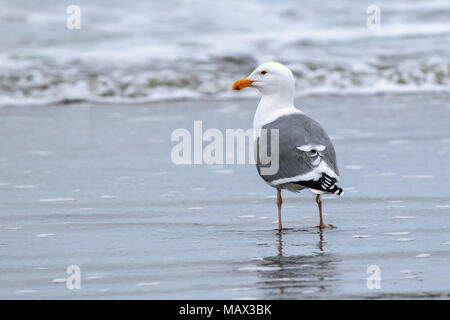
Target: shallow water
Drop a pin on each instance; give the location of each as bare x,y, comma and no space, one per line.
93,186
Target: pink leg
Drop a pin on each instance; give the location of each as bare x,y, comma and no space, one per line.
279,202
319,204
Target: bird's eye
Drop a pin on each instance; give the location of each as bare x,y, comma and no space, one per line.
263,72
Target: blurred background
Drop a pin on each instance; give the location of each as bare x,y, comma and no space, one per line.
143,51
86,177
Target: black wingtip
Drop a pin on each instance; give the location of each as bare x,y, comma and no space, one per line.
325,183
337,190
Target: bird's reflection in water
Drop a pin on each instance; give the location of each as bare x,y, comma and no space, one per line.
298,276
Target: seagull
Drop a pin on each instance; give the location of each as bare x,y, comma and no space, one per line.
306,156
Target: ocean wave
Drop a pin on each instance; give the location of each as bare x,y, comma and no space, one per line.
210,79
145,51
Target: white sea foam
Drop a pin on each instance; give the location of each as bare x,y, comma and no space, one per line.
25,291
400,233
147,284
399,141
96,276
382,174
406,271
354,167
225,171
142,60
25,186
404,239
49,200
13,228
418,176
45,235
107,196
259,268
195,208
167,195
52,87
41,153
198,189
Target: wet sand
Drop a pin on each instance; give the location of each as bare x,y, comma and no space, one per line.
94,186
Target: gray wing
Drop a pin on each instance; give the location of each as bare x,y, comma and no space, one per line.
305,150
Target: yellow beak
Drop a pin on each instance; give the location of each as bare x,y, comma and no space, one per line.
241,84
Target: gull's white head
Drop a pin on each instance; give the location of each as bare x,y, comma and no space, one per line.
270,78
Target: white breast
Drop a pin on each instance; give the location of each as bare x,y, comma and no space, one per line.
266,114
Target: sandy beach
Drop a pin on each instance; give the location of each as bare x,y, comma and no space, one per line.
93,185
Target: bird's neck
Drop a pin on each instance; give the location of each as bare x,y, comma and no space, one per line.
271,107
